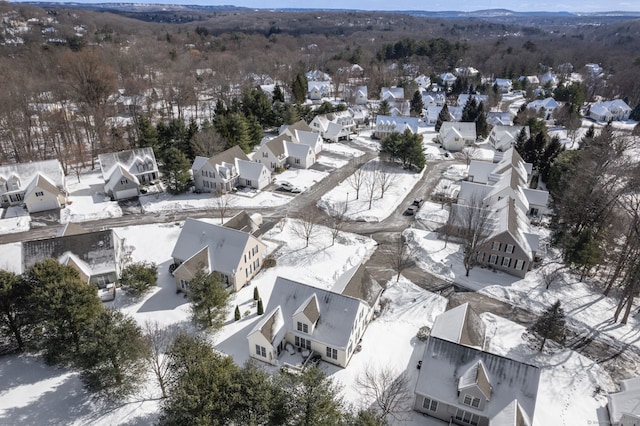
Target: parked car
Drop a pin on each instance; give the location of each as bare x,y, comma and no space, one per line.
418,202
411,210
289,187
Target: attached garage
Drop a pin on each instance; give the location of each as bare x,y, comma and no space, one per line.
126,193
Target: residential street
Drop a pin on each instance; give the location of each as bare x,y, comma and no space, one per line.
619,361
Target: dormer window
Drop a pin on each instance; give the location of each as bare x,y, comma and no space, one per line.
303,327
471,401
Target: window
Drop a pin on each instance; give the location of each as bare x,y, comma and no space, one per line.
466,417
493,259
265,154
430,404
506,261
303,327
248,183
471,401
332,353
297,161
256,264
261,351
39,194
509,248
124,181
495,246
184,285
302,343
519,264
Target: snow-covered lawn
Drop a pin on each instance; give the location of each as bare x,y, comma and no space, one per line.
343,197
16,219
584,304
87,200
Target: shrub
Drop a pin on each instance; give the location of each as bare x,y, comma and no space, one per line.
423,333
138,278
236,314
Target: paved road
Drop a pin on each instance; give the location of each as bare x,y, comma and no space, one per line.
621,361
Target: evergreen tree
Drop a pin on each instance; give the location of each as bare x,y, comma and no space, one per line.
299,88
15,319
416,103
442,117
204,385
175,171
258,399
384,108
551,151
260,307
470,111
312,398
147,134
256,294
482,128
390,146
256,103
236,314
138,278
112,356
63,306
256,132
278,94
550,325
208,297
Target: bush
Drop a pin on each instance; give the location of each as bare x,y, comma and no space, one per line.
260,307
138,278
236,314
269,262
423,333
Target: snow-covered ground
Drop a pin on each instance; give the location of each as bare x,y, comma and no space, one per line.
87,200
342,198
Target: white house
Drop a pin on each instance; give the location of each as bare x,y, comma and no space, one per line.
385,125
314,320
227,170
319,89
272,153
236,255
455,135
462,385
546,107
549,78
423,81
502,138
125,171
299,155
448,79
334,126
39,186
504,85
615,110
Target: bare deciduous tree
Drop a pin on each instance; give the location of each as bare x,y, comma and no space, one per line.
222,203
470,221
305,227
159,339
335,222
356,180
386,178
386,390
371,185
399,255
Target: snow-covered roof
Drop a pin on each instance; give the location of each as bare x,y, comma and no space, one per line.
399,123
271,326
115,175
225,245
392,93
626,401
460,325
296,150
463,129
359,283
26,172
250,169
444,363
547,103
337,312
127,159
42,182
96,249
511,415
227,156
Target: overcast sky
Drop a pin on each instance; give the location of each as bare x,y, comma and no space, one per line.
429,5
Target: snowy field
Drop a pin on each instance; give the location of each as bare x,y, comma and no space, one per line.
88,200
342,198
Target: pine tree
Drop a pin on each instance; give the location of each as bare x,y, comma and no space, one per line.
208,297
175,171
138,278
470,110
384,108
278,94
236,314
442,117
256,295
416,103
112,355
147,134
550,325
260,307
14,309
482,128
299,88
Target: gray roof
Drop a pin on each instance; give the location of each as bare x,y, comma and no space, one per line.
444,363
242,221
250,169
125,158
359,283
460,325
297,150
337,312
226,245
228,156
97,249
